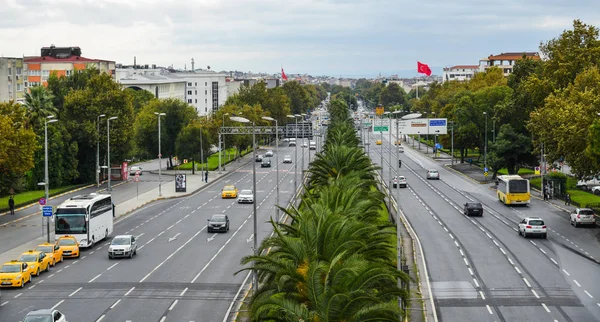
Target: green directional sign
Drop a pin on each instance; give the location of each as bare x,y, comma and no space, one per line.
366,124
380,129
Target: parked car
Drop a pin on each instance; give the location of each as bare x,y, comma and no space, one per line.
266,163
433,174
399,181
269,154
473,209
45,315
122,246
582,216
531,226
218,223
287,159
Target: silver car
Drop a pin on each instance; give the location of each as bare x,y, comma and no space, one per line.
245,196
269,154
433,174
287,159
44,315
583,216
122,246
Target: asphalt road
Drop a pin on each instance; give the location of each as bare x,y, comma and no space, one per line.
480,269
181,272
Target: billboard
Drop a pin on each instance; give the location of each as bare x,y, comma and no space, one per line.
423,126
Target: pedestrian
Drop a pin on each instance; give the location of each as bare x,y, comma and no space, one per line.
11,205
206,176
568,200
545,195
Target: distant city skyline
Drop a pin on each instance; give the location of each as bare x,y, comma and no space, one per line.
347,38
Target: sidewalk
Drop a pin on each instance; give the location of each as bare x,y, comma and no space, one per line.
194,183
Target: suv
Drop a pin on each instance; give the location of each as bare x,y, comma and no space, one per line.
122,246
473,209
218,223
433,174
531,226
582,216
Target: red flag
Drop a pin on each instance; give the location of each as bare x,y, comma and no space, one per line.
283,76
423,69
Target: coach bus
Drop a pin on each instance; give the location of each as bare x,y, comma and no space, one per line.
89,218
513,190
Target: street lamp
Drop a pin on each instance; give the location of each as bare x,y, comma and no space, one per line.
46,183
276,162
386,113
109,188
303,137
295,117
221,150
245,120
485,149
160,154
98,151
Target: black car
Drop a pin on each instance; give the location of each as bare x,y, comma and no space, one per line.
218,223
259,158
473,209
266,163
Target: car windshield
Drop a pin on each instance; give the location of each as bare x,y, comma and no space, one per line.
45,249
28,258
218,218
38,318
536,222
433,171
401,178
246,192
66,242
229,188
586,212
120,241
10,268
288,157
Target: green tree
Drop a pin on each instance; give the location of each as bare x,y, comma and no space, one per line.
299,99
190,139
391,95
139,98
513,148
38,102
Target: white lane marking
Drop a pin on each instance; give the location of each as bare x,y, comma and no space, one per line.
577,283
461,252
496,243
115,304
113,265
3,304
456,243
552,259
598,304
75,292
32,286
57,304
173,254
476,283
173,305
482,296
531,241
83,257
546,308
100,318
140,235
183,292
535,293
49,276
518,270
93,279
566,272
16,296
543,251
466,263
489,309
526,282
471,271
510,261
130,290
502,250
75,262
163,319
588,294
489,236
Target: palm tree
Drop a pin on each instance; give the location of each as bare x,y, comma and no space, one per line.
38,103
338,162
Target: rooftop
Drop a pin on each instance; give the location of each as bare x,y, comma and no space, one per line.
464,67
514,56
72,59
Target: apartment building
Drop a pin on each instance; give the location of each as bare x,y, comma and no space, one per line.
506,61
205,90
459,72
12,79
61,61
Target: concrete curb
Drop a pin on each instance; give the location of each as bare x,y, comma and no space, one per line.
449,167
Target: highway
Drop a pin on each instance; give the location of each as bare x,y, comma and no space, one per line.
480,269
181,272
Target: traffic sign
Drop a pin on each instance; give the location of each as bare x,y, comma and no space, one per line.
379,110
438,146
485,174
42,201
380,129
47,211
486,169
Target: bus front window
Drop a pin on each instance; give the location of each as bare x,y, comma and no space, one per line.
70,224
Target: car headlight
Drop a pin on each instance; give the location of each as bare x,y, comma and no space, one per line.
18,277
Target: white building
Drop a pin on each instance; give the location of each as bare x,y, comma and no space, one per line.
459,72
161,84
205,90
11,79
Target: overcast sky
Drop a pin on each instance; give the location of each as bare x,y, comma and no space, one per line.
352,38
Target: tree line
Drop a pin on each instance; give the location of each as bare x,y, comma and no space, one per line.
78,101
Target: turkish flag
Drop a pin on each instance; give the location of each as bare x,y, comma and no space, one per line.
283,76
423,69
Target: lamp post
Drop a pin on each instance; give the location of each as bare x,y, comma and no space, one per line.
221,150
276,162
295,117
452,141
46,183
245,120
303,137
109,188
98,151
485,149
159,155
382,167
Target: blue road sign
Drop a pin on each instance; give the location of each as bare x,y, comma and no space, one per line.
438,146
485,169
437,122
47,211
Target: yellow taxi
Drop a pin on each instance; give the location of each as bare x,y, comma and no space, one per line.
397,142
378,142
69,246
51,250
229,191
36,260
14,274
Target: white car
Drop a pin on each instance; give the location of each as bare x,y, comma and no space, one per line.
134,169
399,181
122,246
45,315
532,226
287,159
304,144
433,174
286,140
583,216
401,149
245,196
269,154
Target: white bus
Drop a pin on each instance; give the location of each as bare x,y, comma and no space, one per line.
89,218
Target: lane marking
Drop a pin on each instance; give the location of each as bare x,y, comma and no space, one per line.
130,290
32,286
476,283
163,319
471,271
75,292
57,304
115,264
535,293
553,261
173,305
3,304
566,272
588,294
526,282
16,296
546,308
489,309
115,304
518,270
502,250
100,318
482,296
183,292
466,263
93,279
577,283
